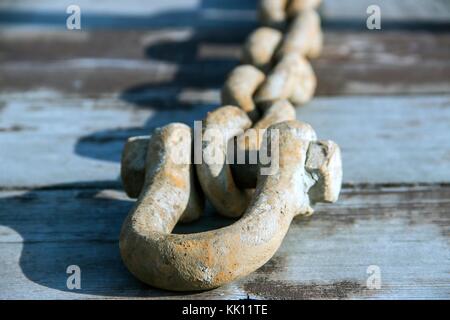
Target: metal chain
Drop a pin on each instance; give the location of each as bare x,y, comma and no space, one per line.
260,93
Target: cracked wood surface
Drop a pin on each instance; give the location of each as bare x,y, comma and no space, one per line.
405,231
151,66
73,139
69,100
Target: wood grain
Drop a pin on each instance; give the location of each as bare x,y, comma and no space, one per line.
69,100
404,231
48,138
398,10
210,13
144,64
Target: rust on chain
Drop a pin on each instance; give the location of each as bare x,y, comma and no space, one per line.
258,115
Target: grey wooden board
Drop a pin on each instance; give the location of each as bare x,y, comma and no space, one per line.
68,101
403,231
386,139
47,138
141,13
154,65
391,10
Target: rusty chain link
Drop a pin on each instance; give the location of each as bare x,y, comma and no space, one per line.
275,74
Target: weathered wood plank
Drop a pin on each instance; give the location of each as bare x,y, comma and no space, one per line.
58,134
404,231
70,99
134,14
154,63
386,140
47,138
398,10
200,13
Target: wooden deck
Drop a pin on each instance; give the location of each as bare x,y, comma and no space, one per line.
69,100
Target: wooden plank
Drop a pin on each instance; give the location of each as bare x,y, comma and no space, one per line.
133,14
386,139
399,10
149,63
404,231
383,63
72,139
133,7
47,138
200,13
68,101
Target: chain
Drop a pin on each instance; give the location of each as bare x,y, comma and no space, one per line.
259,94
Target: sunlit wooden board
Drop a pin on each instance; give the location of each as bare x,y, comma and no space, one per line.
46,138
155,64
403,231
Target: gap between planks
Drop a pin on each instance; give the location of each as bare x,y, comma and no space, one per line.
323,256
